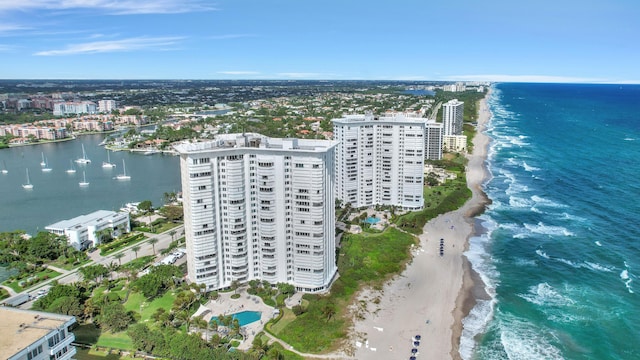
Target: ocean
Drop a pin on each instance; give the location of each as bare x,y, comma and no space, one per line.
560,248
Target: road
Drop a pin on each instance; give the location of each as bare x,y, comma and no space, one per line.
71,276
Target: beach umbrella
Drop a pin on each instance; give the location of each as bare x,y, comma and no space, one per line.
417,337
414,350
416,343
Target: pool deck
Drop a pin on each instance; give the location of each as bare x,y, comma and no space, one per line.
225,305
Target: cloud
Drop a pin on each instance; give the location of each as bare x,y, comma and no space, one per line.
7,28
114,7
5,48
139,43
238,72
525,78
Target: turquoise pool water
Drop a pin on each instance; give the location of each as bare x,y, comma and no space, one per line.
372,220
244,317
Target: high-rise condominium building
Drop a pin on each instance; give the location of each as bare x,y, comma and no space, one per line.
452,112
380,160
433,141
259,208
106,106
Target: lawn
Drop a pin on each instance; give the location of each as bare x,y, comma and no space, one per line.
36,278
91,354
92,335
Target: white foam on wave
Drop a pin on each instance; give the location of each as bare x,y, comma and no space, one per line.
629,139
626,277
529,168
551,230
542,254
518,202
473,324
523,341
545,294
478,318
525,262
568,262
598,243
545,202
567,216
598,267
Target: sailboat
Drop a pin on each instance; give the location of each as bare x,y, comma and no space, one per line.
124,175
43,163
71,170
83,159
4,167
28,185
107,164
84,182
45,167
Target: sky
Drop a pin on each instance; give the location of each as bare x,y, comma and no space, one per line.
590,41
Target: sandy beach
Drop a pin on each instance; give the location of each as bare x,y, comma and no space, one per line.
432,296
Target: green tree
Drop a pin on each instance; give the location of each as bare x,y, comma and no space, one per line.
145,206
153,242
67,305
135,249
93,272
114,317
119,256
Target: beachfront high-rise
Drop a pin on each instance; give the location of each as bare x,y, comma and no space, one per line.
380,160
259,208
452,112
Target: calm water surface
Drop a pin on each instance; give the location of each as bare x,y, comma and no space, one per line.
57,196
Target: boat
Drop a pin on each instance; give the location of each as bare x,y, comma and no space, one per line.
43,163
71,170
28,185
83,159
108,164
124,175
151,152
84,182
45,167
4,167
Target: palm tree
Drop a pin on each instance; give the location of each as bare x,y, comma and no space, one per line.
172,233
153,242
119,256
135,249
112,266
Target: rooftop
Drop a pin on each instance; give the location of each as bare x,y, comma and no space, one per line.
253,140
84,220
21,328
394,118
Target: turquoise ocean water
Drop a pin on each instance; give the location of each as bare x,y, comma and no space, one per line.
560,254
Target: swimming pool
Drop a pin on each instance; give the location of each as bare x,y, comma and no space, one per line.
244,317
372,220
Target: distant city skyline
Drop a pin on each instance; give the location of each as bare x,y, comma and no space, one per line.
493,40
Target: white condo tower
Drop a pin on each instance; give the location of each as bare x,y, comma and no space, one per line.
259,208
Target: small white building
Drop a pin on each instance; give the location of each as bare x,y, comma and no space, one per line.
84,231
35,335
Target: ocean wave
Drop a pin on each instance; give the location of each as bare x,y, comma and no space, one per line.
598,243
473,324
598,267
524,341
545,202
542,254
626,277
551,230
629,139
518,202
529,168
544,294
525,262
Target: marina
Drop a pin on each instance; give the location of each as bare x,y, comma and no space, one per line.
30,199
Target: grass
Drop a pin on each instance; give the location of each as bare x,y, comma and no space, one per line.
119,340
365,259
91,354
4,294
119,244
67,266
287,317
39,277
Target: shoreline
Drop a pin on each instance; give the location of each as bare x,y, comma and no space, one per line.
434,293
